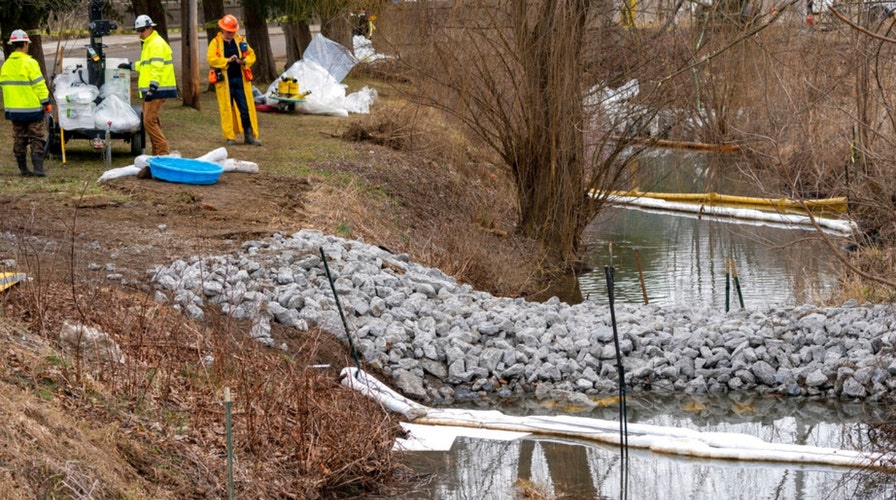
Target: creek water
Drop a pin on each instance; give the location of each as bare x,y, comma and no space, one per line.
480,469
683,257
683,261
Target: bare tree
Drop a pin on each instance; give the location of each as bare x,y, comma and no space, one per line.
31,16
515,74
297,35
255,17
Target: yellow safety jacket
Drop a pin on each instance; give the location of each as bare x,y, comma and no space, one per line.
156,67
230,115
24,89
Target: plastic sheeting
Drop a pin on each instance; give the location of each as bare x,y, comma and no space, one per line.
659,439
324,65
331,56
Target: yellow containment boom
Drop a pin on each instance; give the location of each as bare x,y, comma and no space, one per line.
9,279
716,199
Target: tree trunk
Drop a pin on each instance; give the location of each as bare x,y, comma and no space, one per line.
337,29
156,11
260,40
550,167
36,50
190,53
212,11
297,35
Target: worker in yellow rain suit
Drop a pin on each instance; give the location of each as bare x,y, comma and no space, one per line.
231,58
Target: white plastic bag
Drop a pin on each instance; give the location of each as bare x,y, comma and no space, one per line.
360,101
115,113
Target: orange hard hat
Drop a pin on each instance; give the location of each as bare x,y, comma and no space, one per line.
229,23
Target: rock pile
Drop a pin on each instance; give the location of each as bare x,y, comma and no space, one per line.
441,340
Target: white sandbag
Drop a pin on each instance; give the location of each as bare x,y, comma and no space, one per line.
231,165
115,114
76,116
142,161
75,94
115,173
214,155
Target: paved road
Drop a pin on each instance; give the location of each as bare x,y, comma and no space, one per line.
128,47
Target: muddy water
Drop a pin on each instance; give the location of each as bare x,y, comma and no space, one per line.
682,256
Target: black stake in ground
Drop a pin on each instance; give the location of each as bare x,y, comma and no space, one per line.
348,334
623,419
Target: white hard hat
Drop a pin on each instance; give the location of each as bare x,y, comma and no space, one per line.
143,21
18,36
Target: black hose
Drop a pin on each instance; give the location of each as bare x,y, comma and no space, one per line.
348,334
620,368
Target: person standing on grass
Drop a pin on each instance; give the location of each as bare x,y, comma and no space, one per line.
156,81
27,99
231,58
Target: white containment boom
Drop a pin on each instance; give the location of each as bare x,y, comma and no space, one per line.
659,439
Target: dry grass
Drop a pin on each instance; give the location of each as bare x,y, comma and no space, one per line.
152,426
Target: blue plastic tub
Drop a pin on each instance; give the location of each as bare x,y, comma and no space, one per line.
184,170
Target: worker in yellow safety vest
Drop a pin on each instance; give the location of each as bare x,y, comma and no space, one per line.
26,99
156,81
230,59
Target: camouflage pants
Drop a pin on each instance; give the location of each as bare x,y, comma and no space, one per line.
25,133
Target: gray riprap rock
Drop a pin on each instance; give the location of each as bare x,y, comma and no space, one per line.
409,384
816,379
853,388
416,319
764,373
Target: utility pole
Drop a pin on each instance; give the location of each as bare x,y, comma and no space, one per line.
190,53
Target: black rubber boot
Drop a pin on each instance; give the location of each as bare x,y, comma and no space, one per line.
252,140
23,166
37,160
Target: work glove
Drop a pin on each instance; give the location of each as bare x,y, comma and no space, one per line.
124,66
148,95
48,108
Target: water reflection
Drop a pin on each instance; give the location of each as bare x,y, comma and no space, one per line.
683,260
683,255
479,469
572,469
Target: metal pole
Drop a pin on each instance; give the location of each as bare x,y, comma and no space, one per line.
740,297
348,334
727,284
641,275
229,428
620,368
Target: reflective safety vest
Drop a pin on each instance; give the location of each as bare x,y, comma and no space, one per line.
156,67
24,89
